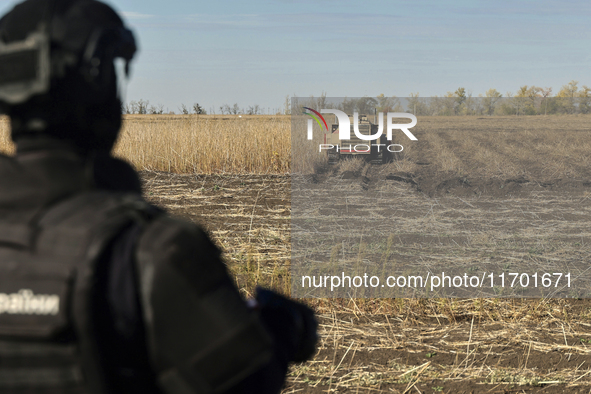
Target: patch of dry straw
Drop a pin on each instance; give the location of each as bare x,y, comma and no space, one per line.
199,144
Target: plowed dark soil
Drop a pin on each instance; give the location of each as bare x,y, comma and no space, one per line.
399,346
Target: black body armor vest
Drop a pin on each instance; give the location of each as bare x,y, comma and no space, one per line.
201,337
53,229
46,281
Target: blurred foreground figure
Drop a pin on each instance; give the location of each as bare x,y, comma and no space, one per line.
101,292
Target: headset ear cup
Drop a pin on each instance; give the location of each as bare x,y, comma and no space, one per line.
103,46
80,101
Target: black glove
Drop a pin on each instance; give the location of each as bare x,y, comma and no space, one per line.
292,324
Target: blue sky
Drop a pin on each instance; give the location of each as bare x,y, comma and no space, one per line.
258,52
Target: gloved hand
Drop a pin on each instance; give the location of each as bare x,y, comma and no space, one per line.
292,324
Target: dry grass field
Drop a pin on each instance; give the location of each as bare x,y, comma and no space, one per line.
539,148
515,188
204,144
207,144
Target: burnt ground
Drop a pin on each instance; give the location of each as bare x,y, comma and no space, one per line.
407,346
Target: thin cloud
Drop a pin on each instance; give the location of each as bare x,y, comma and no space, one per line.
232,20
135,15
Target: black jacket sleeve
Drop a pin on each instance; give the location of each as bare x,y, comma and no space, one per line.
200,334
168,297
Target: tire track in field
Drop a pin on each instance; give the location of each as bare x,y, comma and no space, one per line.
508,163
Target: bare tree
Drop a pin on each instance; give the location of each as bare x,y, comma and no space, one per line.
198,109
417,105
126,108
545,93
142,106
253,110
156,110
492,96
132,107
472,106
365,105
321,101
137,107
388,104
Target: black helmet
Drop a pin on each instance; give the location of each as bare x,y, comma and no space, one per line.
57,74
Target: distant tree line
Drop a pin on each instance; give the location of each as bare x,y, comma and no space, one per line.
143,107
528,100
235,110
197,109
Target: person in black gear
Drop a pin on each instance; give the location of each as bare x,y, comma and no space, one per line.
101,292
